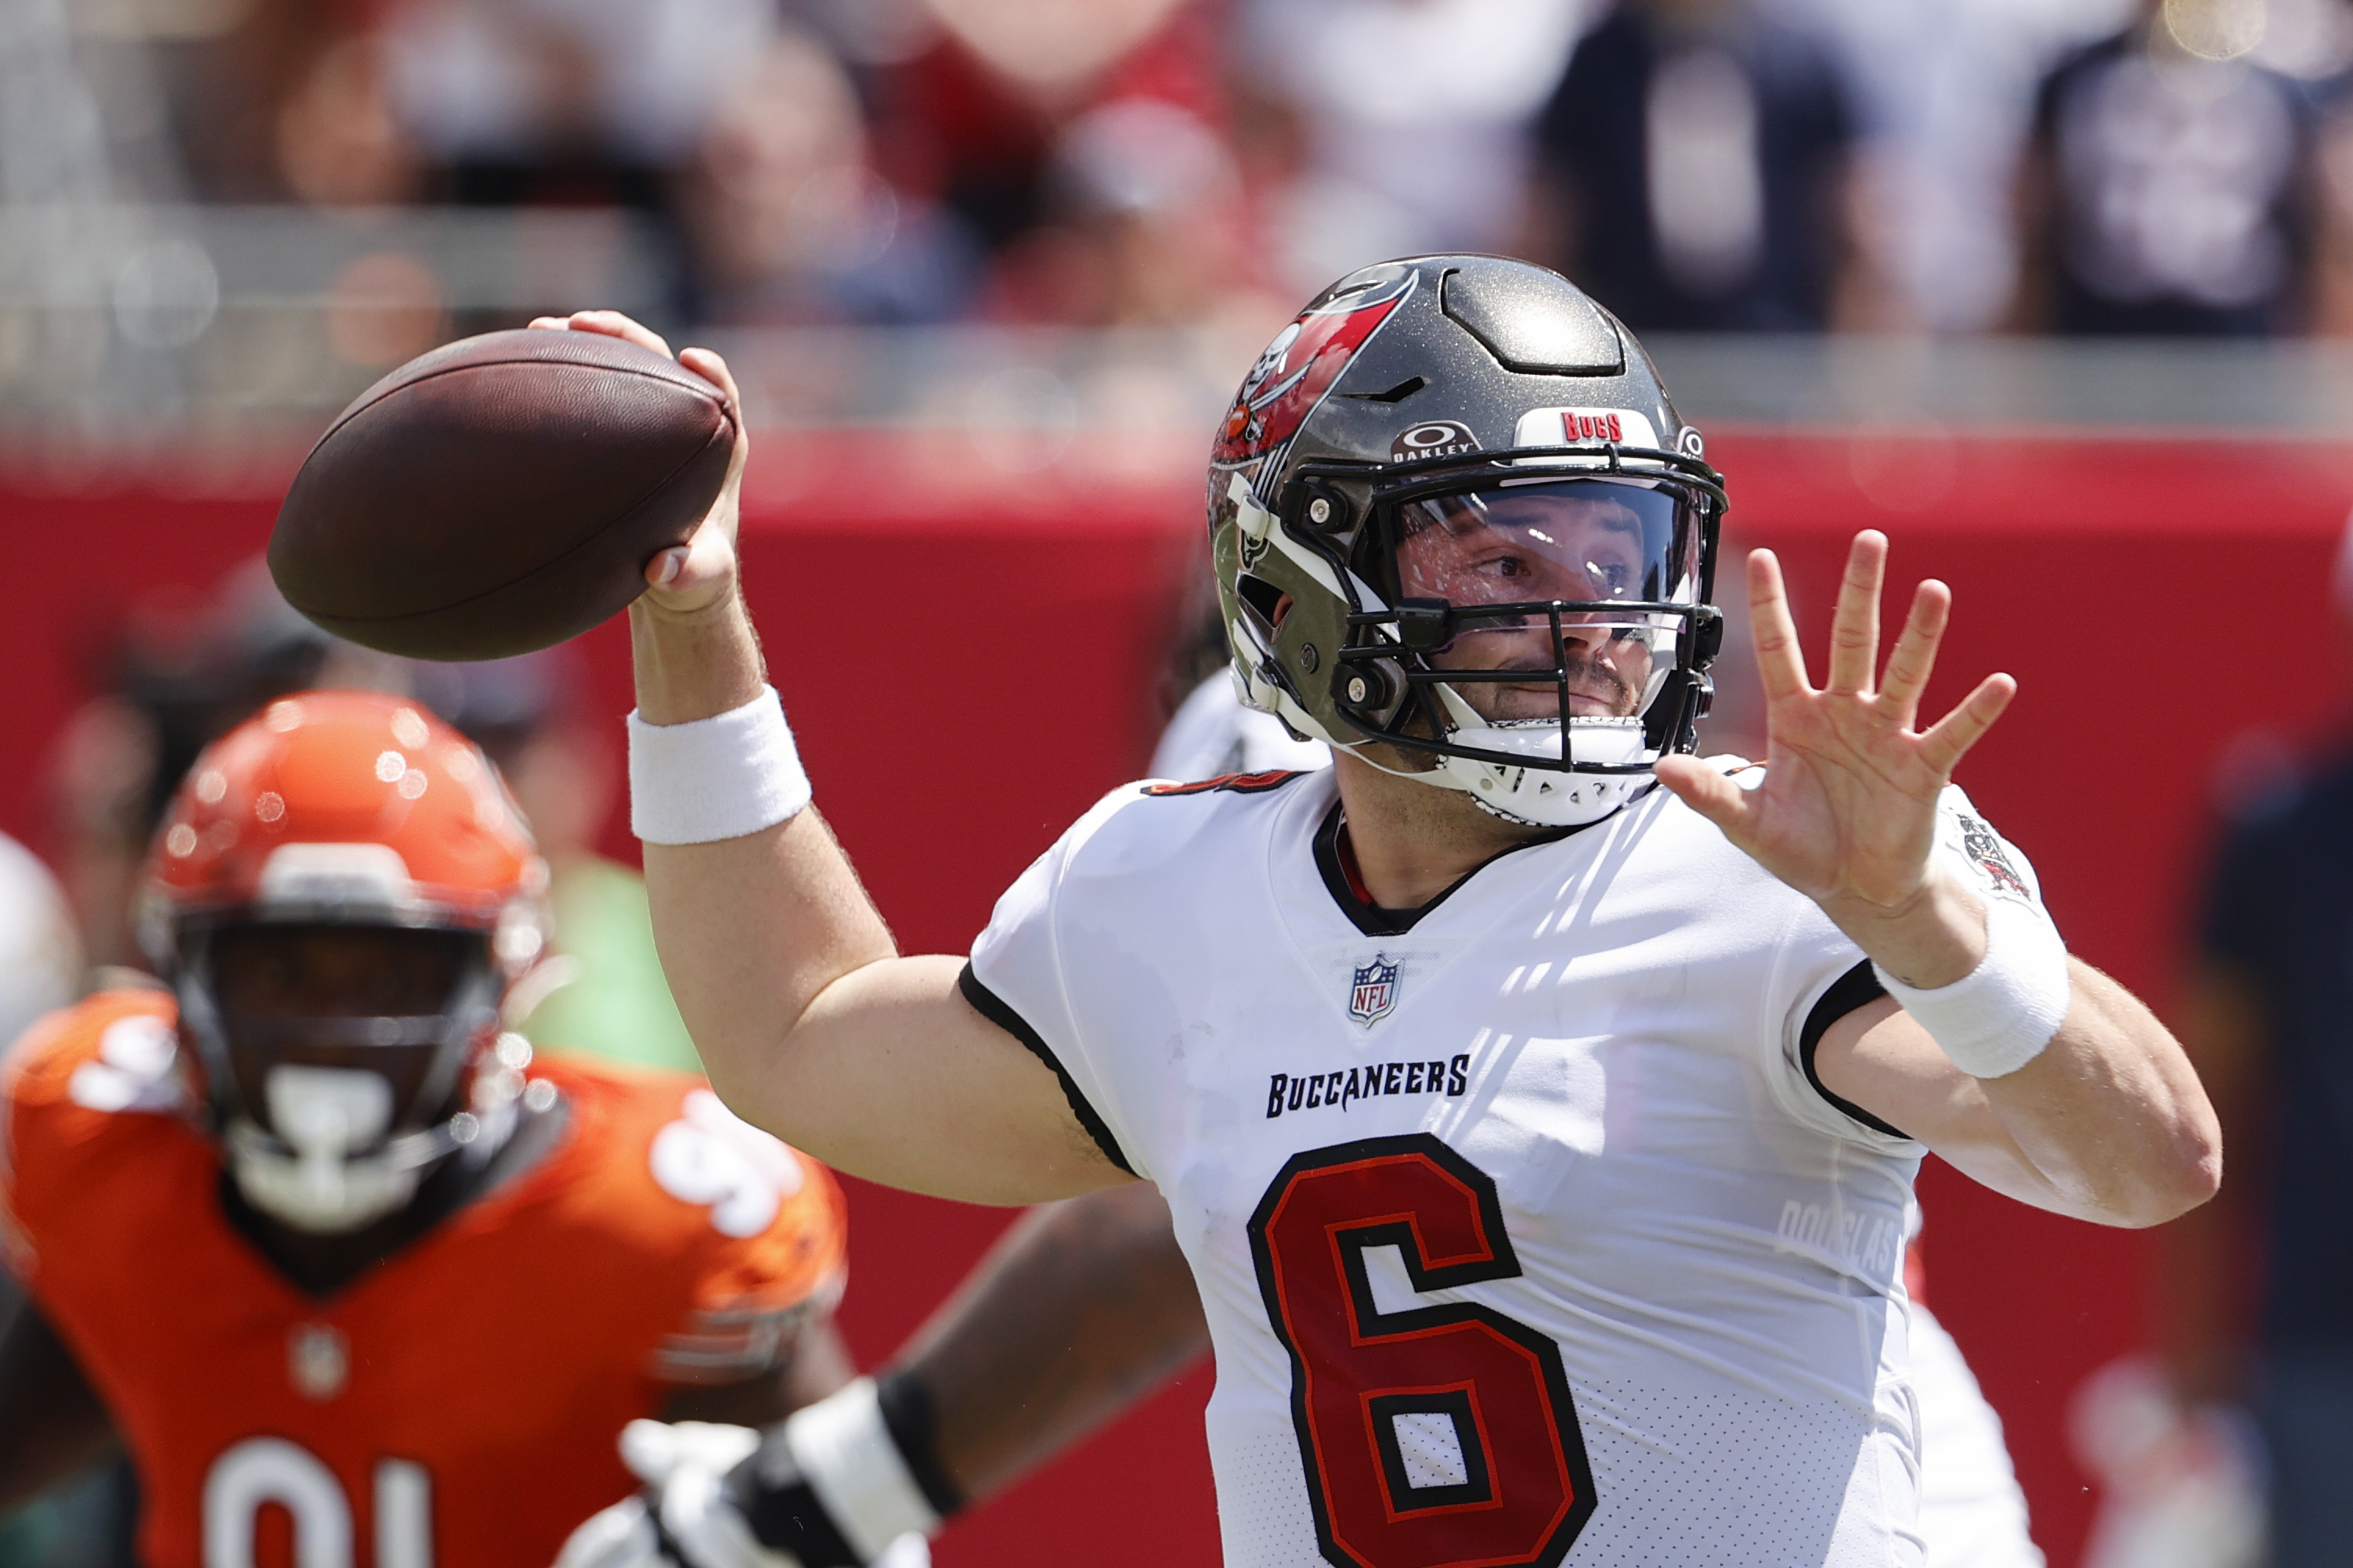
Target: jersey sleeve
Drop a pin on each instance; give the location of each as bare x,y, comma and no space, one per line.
1821,976
1015,980
1833,978
773,1262
1829,978
1989,863
64,1087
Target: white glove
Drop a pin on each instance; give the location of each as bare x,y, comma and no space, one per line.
848,1497
684,1465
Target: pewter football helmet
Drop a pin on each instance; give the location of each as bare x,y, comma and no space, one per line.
1453,514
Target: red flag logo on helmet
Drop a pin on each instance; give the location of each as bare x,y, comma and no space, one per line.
1298,368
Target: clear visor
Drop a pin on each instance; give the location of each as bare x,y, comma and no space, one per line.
1584,583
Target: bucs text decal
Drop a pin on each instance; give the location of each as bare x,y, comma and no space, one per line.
1434,1437
1298,368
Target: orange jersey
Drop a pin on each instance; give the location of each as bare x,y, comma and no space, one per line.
456,1405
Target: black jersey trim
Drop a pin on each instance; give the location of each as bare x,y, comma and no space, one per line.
1856,988
1372,919
912,1419
993,1007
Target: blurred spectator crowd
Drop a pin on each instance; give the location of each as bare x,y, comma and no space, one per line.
2076,166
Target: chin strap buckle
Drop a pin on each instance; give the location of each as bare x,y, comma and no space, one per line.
1253,519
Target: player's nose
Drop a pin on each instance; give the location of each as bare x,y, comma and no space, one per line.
1582,634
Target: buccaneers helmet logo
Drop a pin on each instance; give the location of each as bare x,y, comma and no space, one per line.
1298,368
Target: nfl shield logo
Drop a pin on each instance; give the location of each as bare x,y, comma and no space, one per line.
1374,991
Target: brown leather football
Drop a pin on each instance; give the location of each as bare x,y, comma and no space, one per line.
500,494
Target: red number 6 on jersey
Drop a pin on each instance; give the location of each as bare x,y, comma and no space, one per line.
1433,1436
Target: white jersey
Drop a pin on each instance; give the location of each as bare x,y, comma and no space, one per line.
1524,1233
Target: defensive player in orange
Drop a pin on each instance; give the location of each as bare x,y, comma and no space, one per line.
352,1277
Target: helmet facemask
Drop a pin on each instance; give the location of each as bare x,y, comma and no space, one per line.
345,1060
1485,599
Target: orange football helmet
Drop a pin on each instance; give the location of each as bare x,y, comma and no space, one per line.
341,894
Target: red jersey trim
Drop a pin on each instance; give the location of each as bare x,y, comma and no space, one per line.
1234,784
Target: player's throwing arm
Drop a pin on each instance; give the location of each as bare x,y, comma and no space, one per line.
804,1013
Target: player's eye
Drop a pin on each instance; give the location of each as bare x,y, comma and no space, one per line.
1610,578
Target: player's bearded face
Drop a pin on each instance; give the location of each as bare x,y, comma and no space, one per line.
271,981
1503,547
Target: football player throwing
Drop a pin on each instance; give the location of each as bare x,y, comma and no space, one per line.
351,1275
1540,1139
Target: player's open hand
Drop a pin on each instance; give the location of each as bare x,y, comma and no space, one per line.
1846,811
701,572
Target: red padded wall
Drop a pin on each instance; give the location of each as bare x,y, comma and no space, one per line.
968,655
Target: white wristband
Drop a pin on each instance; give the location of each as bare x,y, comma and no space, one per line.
714,778
843,1448
1997,1017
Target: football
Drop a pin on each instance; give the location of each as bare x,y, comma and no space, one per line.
500,494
